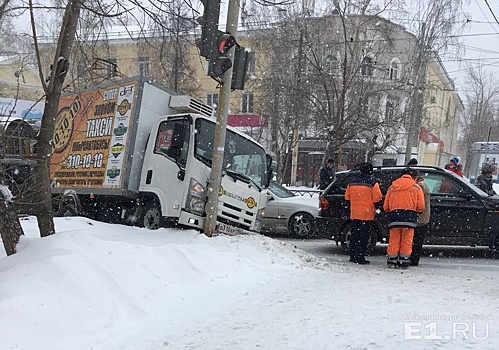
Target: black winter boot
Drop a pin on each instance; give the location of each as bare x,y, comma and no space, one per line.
392,262
404,262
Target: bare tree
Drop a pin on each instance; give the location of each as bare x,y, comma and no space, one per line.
433,23
479,122
53,85
10,228
323,78
167,47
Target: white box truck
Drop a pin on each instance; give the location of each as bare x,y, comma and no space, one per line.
134,152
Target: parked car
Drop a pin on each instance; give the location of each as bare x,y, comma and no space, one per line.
287,213
461,214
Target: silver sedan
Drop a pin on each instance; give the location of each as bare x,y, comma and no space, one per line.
289,213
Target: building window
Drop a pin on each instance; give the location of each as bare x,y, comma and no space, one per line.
364,105
331,65
367,66
389,111
247,103
212,100
144,66
324,102
394,70
111,67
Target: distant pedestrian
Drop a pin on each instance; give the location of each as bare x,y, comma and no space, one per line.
363,193
484,180
327,174
412,162
422,229
454,166
403,200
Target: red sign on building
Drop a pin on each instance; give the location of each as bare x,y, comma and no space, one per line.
246,120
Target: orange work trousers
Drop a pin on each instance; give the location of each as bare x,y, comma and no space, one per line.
400,243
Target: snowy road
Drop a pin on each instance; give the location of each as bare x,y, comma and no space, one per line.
464,258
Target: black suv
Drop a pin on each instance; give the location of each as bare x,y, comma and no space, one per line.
461,214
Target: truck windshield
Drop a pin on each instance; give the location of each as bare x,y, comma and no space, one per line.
241,154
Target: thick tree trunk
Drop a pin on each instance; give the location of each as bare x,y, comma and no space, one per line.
53,92
43,196
10,228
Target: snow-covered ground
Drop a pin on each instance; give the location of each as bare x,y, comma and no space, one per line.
100,286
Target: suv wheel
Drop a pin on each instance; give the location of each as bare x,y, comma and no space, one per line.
346,235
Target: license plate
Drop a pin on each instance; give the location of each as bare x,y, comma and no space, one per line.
229,230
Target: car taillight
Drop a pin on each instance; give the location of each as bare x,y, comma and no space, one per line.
323,204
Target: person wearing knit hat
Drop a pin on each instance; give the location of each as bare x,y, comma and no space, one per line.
326,174
454,166
412,162
484,180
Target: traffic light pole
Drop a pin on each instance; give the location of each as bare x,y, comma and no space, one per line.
220,128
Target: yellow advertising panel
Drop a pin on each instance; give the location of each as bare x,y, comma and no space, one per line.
91,136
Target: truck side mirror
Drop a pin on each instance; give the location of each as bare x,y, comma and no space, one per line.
177,142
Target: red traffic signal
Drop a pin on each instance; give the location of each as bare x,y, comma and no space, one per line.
226,42
219,62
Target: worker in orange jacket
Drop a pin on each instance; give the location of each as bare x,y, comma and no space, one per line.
363,193
403,201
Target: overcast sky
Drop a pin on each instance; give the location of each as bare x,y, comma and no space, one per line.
480,41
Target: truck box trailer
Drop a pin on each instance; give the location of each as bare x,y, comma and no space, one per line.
135,152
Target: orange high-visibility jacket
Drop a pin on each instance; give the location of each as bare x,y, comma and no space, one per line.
363,192
403,200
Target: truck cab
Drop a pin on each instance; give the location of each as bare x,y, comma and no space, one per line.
177,167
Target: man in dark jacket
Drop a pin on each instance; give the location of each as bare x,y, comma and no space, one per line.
363,193
484,180
422,229
326,175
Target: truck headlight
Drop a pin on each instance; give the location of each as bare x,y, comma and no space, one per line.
258,221
196,197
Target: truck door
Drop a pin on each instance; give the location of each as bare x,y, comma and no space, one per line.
164,164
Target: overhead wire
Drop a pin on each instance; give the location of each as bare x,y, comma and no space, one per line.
492,12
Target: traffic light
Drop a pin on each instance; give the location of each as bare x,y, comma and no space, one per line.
219,62
209,26
242,59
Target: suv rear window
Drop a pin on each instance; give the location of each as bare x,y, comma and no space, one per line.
341,182
385,179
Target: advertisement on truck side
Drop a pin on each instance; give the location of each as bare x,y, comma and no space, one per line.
91,137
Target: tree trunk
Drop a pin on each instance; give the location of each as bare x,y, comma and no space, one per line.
53,93
10,228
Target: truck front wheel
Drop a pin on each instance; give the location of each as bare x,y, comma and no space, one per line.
151,217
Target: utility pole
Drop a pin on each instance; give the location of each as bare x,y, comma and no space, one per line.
220,128
417,95
297,108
